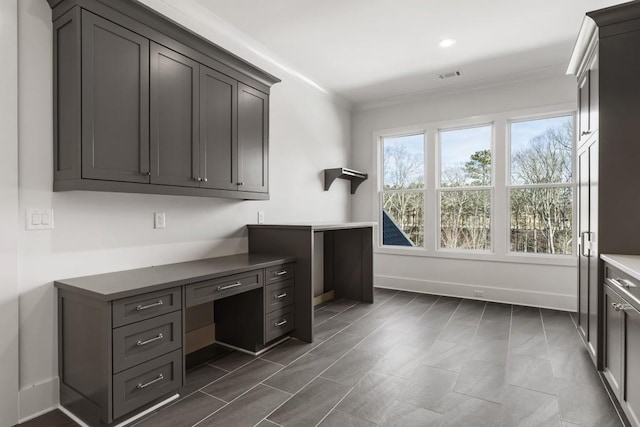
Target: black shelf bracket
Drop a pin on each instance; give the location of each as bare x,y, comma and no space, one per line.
354,176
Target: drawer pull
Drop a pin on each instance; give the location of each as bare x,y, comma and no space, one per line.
280,273
235,285
616,306
278,324
158,378
145,307
150,340
282,295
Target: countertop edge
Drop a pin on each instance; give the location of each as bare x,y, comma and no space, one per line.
102,296
620,264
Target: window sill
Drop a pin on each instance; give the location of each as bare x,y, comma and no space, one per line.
541,259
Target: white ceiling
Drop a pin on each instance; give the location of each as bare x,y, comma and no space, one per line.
371,50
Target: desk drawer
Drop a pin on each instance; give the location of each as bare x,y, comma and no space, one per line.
144,383
211,290
145,306
278,323
279,273
142,341
278,295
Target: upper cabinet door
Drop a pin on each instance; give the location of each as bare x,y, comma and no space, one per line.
174,118
253,139
115,102
218,133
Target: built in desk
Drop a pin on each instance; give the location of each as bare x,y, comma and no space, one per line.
121,335
342,264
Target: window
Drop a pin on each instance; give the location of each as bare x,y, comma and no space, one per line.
465,188
497,187
541,190
403,187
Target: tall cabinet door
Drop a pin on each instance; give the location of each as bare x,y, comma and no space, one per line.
115,102
253,131
218,135
595,290
174,118
583,251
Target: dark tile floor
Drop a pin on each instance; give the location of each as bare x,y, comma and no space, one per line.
407,360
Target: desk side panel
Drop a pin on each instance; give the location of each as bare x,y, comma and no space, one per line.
85,356
298,243
349,263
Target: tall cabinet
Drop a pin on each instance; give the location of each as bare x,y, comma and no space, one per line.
607,67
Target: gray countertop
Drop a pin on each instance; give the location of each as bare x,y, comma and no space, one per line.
629,264
121,284
319,226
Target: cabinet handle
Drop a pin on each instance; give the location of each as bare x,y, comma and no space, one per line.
150,340
146,173
626,283
145,307
280,273
278,324
282,295
616,306
197,178
585,132
204,179
145,385
240,183
235,285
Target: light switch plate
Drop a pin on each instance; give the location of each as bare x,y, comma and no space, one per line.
39,219
260,217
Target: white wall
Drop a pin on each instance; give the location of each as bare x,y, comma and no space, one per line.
9,213
100,232
521,283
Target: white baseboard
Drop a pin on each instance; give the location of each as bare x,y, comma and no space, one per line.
466,290
39,399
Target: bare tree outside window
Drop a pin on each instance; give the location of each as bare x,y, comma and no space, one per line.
403,190
541,201
465,188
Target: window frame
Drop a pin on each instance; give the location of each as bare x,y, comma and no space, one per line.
501,180
572,184
381,192
440,189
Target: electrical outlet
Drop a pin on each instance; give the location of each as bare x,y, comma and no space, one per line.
479,294
260,217
159,220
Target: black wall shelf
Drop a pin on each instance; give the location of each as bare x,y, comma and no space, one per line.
354,176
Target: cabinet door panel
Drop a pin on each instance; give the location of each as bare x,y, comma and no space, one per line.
612,360
115,102
631,365
583,107
218,135
583,258
594,253
174,118
253,131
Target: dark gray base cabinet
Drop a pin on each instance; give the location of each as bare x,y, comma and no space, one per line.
143,106
621,366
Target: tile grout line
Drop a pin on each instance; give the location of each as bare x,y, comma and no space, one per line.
334,362
279,370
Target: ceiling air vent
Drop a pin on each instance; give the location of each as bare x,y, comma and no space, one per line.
449,75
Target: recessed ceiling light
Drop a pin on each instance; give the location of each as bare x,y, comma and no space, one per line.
447,42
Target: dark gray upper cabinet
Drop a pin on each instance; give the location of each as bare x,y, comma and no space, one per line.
175,82
253,131
218,136
115,91
142,105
